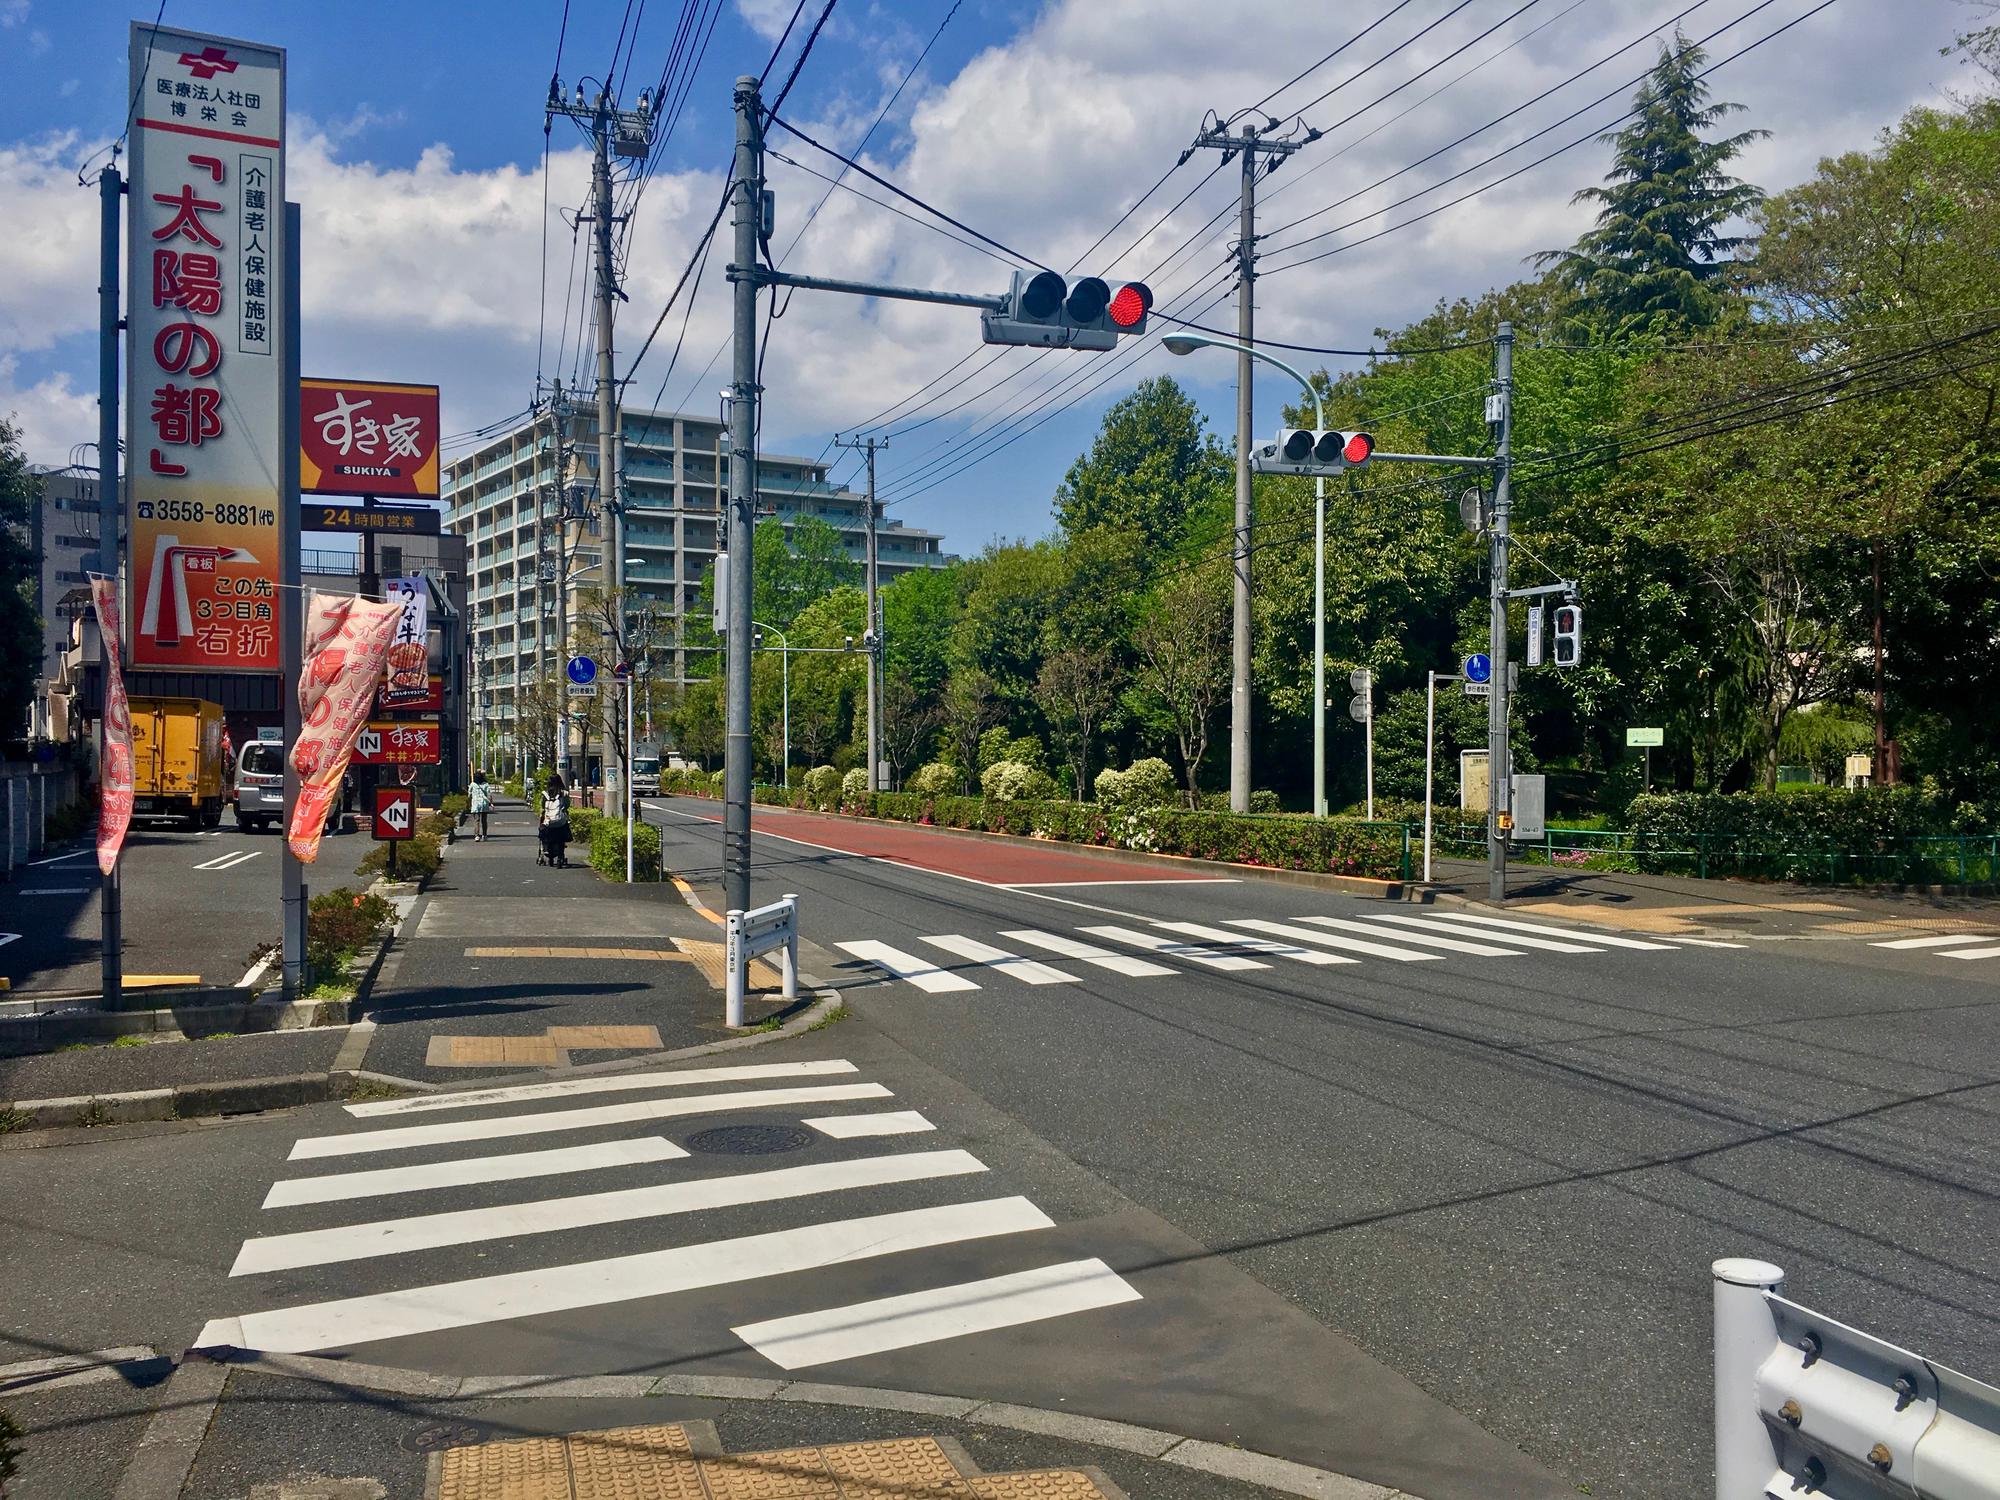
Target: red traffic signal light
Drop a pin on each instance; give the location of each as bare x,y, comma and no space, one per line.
1358,447
1129,308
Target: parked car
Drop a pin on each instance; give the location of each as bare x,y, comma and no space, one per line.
260,788
645,776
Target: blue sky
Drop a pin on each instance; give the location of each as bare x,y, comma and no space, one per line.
417,151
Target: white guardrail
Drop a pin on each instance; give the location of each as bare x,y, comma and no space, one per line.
751,933
1807,1406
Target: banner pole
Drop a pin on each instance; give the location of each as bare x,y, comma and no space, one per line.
291,610
110,511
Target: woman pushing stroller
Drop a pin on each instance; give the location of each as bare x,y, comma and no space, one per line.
554,825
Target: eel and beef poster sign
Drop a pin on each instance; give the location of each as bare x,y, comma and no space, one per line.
205,277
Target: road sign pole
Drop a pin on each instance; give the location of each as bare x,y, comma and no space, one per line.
1368,724
1498,761
110,510
291,612
628,776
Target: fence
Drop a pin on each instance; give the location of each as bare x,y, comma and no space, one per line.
1808,1406
1940,859
30,795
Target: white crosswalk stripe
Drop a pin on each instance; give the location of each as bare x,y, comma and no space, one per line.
1423,939
1435,924
927,977
1594,935
1011,964
1938,940
1090,953
567,1088
1160,943
1333,940
1229,940
1974,953
795,1320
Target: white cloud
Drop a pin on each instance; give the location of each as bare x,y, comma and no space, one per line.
766,17
49,414
13,13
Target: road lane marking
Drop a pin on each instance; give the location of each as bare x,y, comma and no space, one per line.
1974,953
937,1313
1090,953
570,1087
230,860
1549,945
1351,945
406,1137
1039,885
524,1294
927,977
888,1122
381,1181
57,859
1449,944
1192,952
506,1221
1539,929
9,937
1012,964
1706,942
1227,939
60,890
1937,940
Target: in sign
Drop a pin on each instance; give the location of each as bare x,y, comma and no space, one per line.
395,812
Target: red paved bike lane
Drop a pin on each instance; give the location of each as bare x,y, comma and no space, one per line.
994,862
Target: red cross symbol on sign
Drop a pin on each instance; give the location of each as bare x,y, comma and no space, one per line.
208,62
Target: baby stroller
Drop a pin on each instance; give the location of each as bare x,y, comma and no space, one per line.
555,845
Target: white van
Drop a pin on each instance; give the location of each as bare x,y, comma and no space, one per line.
260,788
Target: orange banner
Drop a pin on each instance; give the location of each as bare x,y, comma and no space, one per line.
346,644
115,775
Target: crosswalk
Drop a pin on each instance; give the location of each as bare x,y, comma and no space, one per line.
1228,945
453,1241
1970,946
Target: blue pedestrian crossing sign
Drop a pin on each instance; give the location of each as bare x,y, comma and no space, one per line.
1479,667
582,671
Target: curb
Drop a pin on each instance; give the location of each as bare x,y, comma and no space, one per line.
1242,1464
1357,885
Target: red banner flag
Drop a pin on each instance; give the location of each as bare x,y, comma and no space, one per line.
114,814
347,642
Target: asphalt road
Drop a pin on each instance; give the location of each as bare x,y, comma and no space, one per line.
1504,1174
193,903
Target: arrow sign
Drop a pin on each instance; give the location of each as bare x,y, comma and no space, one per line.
369,744
395,812
396,816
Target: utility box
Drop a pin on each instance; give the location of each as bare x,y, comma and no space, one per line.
1531,803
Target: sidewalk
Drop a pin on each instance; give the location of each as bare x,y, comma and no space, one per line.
1682,906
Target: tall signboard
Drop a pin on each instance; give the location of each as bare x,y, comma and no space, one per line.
205,395
368,437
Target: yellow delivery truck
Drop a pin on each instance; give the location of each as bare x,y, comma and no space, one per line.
178,764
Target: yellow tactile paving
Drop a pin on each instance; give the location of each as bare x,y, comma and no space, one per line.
660,955
599,1038
634,1463
708,957
1891,926
493,1052
1647,920
788,1474
521,1469
1045,1484
899,1469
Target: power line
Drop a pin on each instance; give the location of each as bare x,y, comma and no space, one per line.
1315,67
1364,72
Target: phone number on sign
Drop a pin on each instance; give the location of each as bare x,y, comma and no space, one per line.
197,511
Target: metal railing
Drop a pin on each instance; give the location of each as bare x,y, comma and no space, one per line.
1805,1405
760,931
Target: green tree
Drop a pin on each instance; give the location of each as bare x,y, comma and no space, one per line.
1152,466
1659,246
1182,642
20,629
919,611
791,570
1011,595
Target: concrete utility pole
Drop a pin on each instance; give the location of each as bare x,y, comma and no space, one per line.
1499,759
1251,141
293,894
110,186
747,189
872,635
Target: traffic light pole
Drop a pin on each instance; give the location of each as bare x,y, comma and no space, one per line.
872,636
1499,760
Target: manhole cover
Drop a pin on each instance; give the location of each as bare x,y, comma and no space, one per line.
749,1140
443,1435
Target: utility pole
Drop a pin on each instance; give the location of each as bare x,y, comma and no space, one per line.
872,636
1250,141
110,510
747,188
1499,759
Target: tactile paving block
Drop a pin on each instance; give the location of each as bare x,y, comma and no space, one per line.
604,1038
635,1463
521,1469
790,1474
1042,1484
897,1469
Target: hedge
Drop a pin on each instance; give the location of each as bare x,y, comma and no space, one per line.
1812,833
607,849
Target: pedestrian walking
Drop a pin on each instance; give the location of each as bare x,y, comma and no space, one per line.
554,825
481,804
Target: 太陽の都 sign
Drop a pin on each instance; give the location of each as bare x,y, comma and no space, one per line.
368,437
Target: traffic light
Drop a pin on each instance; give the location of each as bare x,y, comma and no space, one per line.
1569,635
1301,450
1044,311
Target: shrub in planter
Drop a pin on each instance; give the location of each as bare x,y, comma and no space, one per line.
1144,783
854,785
938,779
456,806
1108,786
1265,801
339,924
715,781
1015,781
607,849
415,857
823,787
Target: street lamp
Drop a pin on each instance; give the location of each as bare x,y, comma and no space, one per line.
784,655
1187,343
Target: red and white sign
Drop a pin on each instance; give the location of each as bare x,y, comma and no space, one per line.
205,264
395,812
368,437
347,640
418,743
431,702
115,775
